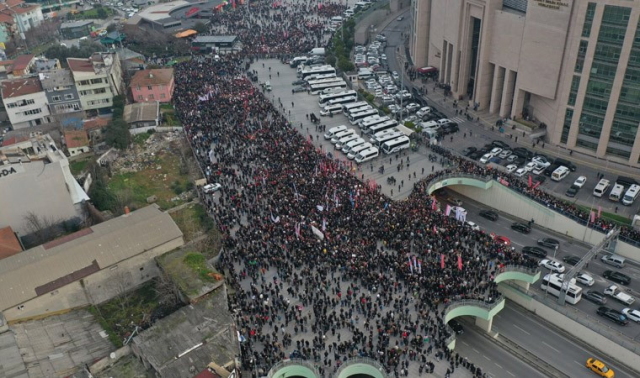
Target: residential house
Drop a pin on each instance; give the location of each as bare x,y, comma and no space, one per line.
94,128
152,85
142,116
43,64
23,15
25,102
130,60
6,26
98,79
9,242
76,29
77,142
23,64
61,93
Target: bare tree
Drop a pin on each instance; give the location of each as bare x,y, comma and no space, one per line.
167,291
42,228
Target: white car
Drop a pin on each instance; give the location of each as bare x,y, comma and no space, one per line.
512,158
585,279
541,161
520,172
485,158
632,314
211,188
495,152
412,107
530,166
387,99
395,75
473,226
511,168
504,154
423,111
554,266
580,181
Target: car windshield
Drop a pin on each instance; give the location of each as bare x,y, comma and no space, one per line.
604,369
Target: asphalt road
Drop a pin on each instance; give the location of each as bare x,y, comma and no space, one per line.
481,136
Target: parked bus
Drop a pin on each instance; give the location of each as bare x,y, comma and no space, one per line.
380,139
552,284
342,100
354,118
318,88
355,105
324,80
325,98
631,195
331,109
358,110
366,124
320,70
311,78
365,155
395,145
389,124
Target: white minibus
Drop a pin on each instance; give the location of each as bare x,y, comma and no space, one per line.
343,141
355,150
395,145
352,144
336,138
366,155
602,187
333,131
331,109
631,195
560,173
616,193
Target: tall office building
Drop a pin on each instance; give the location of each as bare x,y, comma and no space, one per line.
571,64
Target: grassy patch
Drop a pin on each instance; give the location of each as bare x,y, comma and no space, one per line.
141,138
168,107
198,263
188,270
77,166
164,178
612,217
192,221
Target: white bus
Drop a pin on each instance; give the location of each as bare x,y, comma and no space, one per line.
325,98
324,80
395,145
355,150
365,155
319,70
342,100
616,192
380,139
631,195
355,105
354,143
331,109
366,124
318,88
552,284
358,110
389,124
311,78
354,118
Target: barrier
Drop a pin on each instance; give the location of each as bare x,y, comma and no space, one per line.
292,367
364,365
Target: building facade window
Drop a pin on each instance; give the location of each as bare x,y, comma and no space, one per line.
56,98
588,20
68,96
566,127
162,95
96,81
575,84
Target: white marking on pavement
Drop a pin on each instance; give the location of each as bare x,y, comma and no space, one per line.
551,347
510,373
475,350
522,330
465,343
498,365
488,359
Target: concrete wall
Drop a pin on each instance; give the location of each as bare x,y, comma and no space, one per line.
96,288
106,362
375,19
508,201
572,327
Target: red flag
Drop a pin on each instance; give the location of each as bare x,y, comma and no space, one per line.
593,216
537,184
459,262
442,261
530,181
599,211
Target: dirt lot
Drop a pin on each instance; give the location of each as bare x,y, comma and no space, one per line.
158,166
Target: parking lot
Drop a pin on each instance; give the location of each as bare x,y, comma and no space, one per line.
406,167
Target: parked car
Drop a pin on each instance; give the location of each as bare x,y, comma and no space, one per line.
521,227
499,143
298,89
299,82
572,191
489,214
520,172
571,259
534,251
617,277
503,240
511,168
585,279
595,297
548,242
580,181
469,150
613,315
553,266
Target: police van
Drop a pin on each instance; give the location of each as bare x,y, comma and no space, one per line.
631,195
560,173
616,192
601,188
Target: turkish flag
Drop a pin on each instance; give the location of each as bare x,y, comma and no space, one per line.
442,261
459,262
530,181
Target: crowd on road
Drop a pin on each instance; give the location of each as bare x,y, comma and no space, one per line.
313,253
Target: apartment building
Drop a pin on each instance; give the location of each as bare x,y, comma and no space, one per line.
98,79
25,102
152,85
61,93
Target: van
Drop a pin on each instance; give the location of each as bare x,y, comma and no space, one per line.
430,125
366,155
560,173
348,13
602,187
616,193
331,109
336,138
615,260
566,163
343,141
354,143
430,134
336,19
364,73
626,181
333,131
355,150
631,195
295,62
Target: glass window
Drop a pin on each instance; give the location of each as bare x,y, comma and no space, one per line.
566,127
588,20
618,152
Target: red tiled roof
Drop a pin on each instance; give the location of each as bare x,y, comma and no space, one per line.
14,140
22,61
6,62
9,244
76,138
158,76
20,87
80,65
95,123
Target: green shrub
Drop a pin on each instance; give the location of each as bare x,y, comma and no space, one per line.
410,125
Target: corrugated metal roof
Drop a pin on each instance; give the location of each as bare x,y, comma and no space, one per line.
110,242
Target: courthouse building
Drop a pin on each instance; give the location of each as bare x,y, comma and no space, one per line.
573,65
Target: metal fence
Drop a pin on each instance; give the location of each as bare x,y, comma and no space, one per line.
362,360
520,268
291,362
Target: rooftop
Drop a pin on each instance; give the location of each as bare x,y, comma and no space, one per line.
9,244
186,341
20,87
55,79
52,265
22,62
159,11
141,111
215,38
75,24
161,76
95,123
76,138
80,65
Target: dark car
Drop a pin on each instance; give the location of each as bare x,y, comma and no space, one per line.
501,144
549,170
572,191
534,251
455,326
489,214
476,155
520,161
469,150
299,82
523,152
617,277
548,242
450,128
571,259
521,227
613,315
595,297
298,89
541,179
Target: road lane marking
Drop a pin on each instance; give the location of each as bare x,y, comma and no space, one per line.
488,359
522,330
498,365
579,363
510,373
465,343
475,350
551,347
